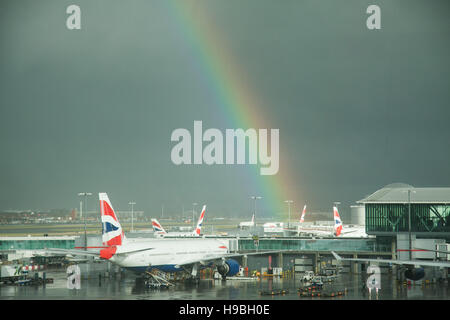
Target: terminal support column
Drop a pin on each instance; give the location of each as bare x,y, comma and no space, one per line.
394,256
244,261
316,262
280,260
354,265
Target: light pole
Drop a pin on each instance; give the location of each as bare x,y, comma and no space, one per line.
289,208
409,224
132,213
85,194
193,211
255,198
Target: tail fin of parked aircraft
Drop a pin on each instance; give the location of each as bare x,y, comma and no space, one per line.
157,227
112,232
337,222
302,218
198,229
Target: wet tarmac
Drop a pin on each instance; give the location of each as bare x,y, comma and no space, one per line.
126,288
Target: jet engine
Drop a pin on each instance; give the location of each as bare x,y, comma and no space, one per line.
415,273
229,267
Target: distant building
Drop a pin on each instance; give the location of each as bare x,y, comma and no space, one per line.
357,215
73,214
387,211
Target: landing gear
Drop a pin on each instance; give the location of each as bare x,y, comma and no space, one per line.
194,276
223,270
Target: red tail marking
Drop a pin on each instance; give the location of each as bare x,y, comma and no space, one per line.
107,210
108,252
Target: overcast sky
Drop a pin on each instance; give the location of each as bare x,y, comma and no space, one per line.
93,109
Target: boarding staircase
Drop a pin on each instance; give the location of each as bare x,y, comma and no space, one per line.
157,279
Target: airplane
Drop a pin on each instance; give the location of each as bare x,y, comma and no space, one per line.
273,227
414,271
277,227
167,255
337,230
247,224
160,232
319,230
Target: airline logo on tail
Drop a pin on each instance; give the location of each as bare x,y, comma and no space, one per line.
302,218
200,222
337,222
157,227
112,233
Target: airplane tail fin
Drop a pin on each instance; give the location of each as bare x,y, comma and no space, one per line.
157,227
198,229
302,218
337,222
112,232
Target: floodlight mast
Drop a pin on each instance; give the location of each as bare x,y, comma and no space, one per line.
255,198
85,195
193,212
132,214
289,209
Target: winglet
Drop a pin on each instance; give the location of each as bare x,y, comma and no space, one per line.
338,257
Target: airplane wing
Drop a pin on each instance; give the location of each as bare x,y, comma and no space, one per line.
439,251
77,252
221,257
401,262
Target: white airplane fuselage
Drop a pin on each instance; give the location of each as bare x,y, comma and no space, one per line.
175,235
247,224
167,254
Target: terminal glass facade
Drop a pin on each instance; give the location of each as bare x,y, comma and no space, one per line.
393,217
341,245
36,244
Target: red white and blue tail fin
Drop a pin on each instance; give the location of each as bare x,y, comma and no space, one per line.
112,232
337,222
157,227
198,229
302,218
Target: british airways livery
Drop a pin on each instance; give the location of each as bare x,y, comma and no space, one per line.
168,255
160,232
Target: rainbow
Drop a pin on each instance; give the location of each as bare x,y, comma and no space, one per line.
224,78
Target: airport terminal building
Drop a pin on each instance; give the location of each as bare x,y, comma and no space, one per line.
392,209
388,214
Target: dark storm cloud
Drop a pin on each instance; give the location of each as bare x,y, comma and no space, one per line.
93,110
